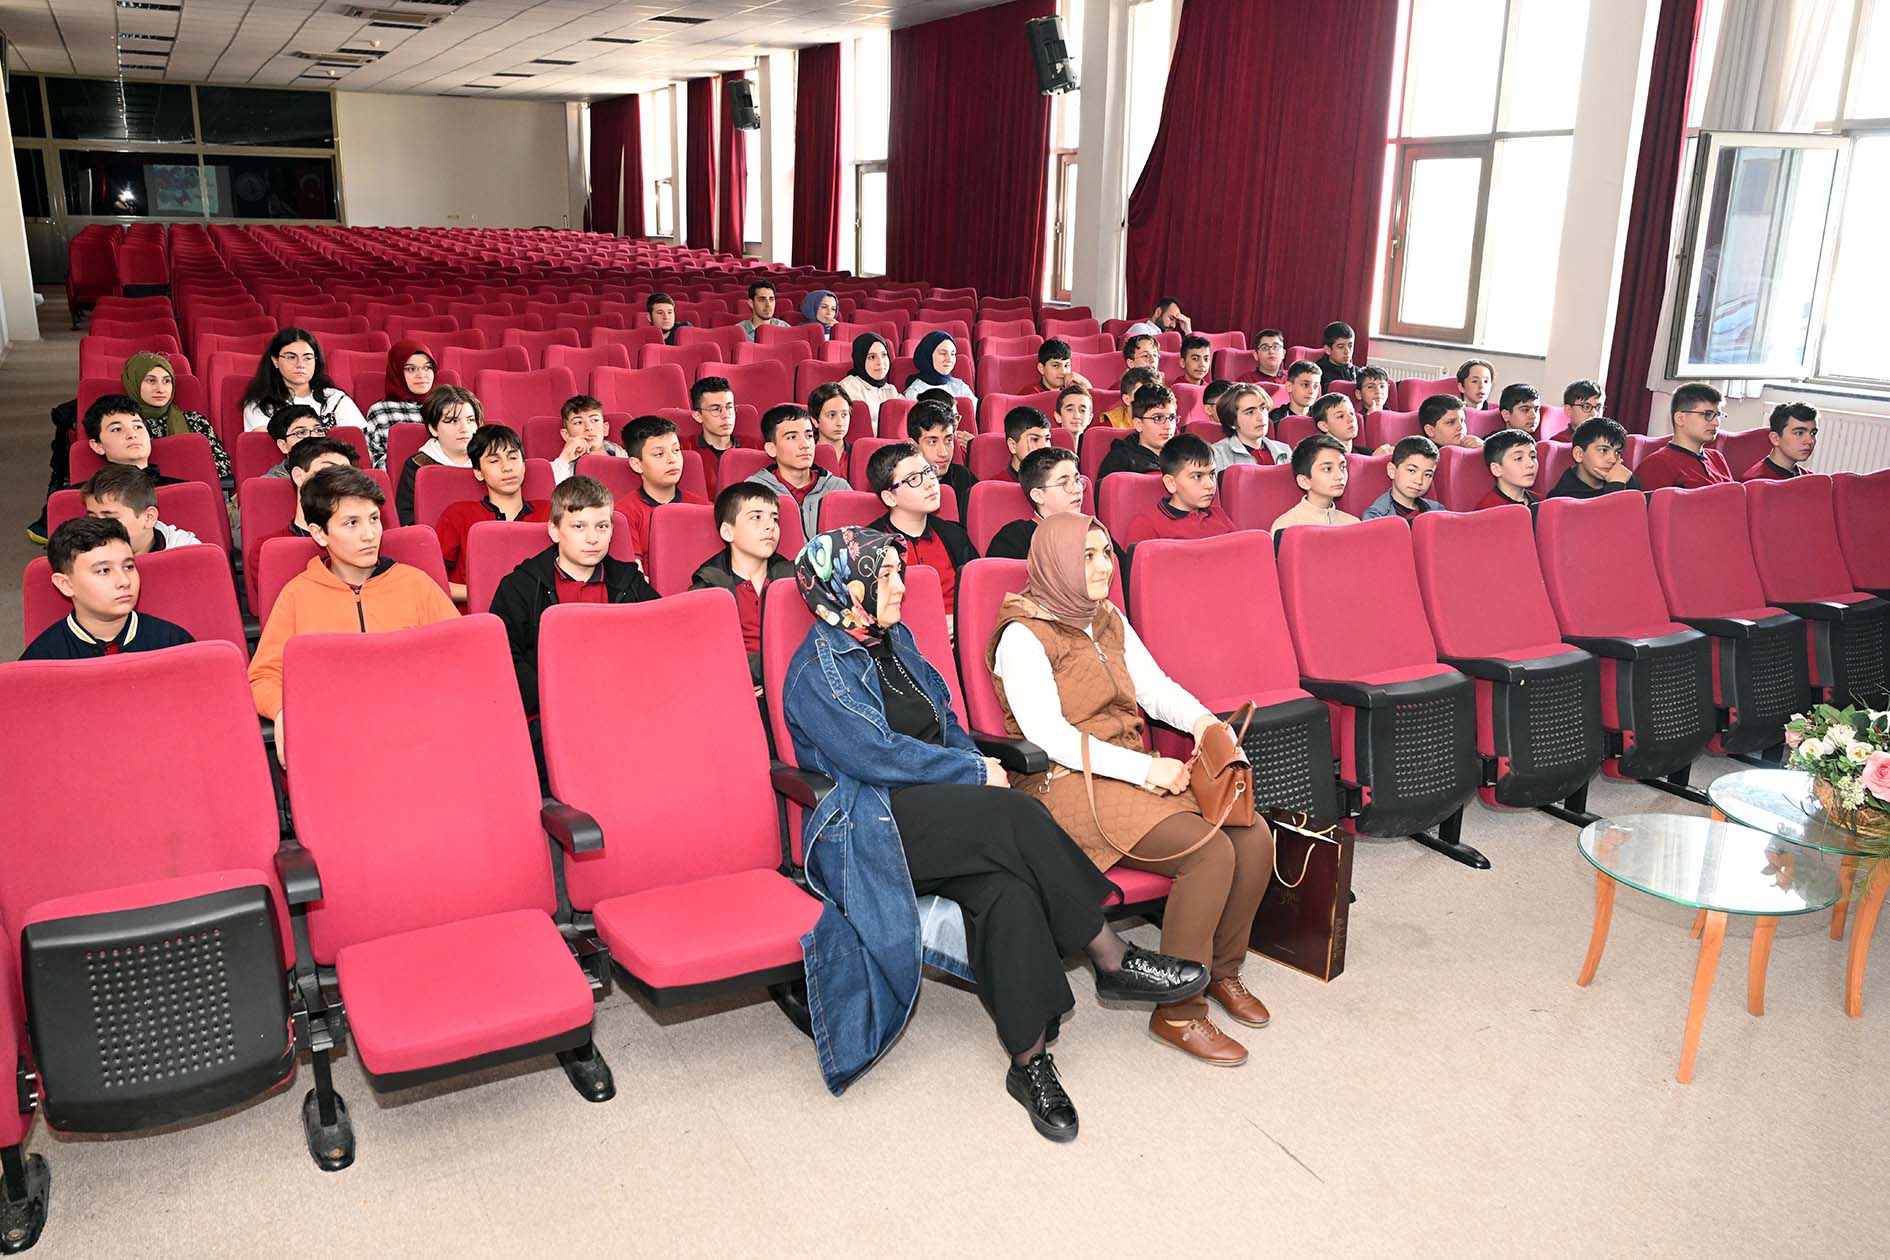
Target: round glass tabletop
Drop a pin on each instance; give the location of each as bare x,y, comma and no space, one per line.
1780,803
1710,865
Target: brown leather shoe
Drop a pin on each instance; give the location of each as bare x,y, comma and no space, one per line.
1241,1005
1200,1038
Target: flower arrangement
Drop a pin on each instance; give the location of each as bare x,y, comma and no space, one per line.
1847,754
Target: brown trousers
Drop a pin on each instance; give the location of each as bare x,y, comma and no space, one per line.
1209,915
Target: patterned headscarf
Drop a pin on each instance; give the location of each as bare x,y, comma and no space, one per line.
838,573
163,421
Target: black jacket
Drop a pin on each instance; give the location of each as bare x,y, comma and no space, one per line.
1127,454
1013,541
951,533
1571,486
1330,372
959,478
525,593
716,573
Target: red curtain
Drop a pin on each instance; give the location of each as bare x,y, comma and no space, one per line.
969,144
632,165
699,230
1650,219
732,175
817,158
1226,215
608,122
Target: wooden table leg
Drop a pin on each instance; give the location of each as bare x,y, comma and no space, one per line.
1847,874
1867,907
1598,937
1711,937
1763,929
1699,921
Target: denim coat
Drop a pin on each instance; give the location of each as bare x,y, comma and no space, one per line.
865,954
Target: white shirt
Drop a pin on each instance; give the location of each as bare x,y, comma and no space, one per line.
333,406
175,536
1031,688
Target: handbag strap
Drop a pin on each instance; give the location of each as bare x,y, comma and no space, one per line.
1089,787
1304,828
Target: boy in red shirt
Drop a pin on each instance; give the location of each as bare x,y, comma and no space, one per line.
1688,460
1794,438
1512,458
1189,511
907,483
748,516
498,458
655,450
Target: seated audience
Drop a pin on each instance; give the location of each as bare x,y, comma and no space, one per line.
748,516
93,566
351,589
1598,443
655,450
288,428
115,430
1374,390
1794,438
1053,482
1189,511
833,418
1583,400
1413,467
148,380
309,457
1122,415
498,461
1520,406
1336,363
577,568
1141,451
1475,379
712,403
1168,317
452,415
1056,366
661,308
867,380
582,425
411,368
1211,394
1334,414
822,309
119,492
1511,455
787,434
865,708
1197,359
907,483
292,370
1302,390
760,308
1269,352
932,367
1440,418
1075,409
1319,466
1074,679
1140,350
932,426
1025,430
1689,460
1244,418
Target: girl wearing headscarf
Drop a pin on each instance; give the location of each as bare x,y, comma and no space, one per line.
821,307
918,811
410,370
149,381
1071,673
872,363
932,367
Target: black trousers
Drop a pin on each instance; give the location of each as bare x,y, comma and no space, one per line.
1030,896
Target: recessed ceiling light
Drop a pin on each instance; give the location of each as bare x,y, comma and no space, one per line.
156,39
680,20
551,61
613,39
514,74
150,5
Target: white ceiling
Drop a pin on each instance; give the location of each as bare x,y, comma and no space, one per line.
484,42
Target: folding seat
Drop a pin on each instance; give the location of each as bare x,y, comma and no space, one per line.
183,455
91,272
1104,369
689,358
845,331
1367,477
400,327
495,548
190,505
1011,336
137,329
1304,352
1003,375
1761,675
1094,343
1188,406
249,347
1552,460
375,341
640,390
682,536
994,504
1482,421
1225,340
724,339
1463,478
582,361
761,385
1293,430
439,487
1554,423
280,558
994,406
473,971
1409,394
189,586
1126,496
332,325
104,357
467,364
810,374
147,951
1862,504
857,507
514,397
1801,566
808,336
1117,327
535,343
1639,447
789,354
614,471
1656,675
188,391
582,322
631,339
1744,447
1256,495
1404,727
543,437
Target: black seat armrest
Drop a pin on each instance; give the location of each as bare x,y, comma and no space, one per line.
1630,649
1499,669
295,871
806,788
1019,756
1358,695
1825,609
573,829
1723,627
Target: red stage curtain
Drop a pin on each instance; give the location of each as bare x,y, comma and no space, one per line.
731,175
1227,215
1650,219
632,165
817,158
967,153
607,148
699,230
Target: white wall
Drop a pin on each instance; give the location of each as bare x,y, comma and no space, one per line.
450,161
18,321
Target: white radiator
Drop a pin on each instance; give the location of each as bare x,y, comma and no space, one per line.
1399,370
1850,441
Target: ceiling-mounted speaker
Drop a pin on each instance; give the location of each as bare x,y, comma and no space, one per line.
741,104
1056,68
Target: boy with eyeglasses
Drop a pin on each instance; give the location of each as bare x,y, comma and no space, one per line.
1154,413
1269,353
1583,400
1054,484
290,425
907,483
712,403
1689,461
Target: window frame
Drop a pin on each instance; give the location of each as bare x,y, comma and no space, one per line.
1409,154
861,170
1059,280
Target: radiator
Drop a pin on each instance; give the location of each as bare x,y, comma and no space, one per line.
1850,441
1399,370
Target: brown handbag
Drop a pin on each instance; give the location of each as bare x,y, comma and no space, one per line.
1221,780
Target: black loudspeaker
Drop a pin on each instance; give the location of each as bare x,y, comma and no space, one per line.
741,103
1056,69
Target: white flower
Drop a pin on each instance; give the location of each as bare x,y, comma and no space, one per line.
1851,793
1858,753
1815,749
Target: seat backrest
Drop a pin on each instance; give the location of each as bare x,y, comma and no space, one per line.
495,548
1367,477
1256,495
622,481
760,385
280,558
850,507
682,536
1598,567
467,363
1793,527
441,824
438,487
404,439
999,374
1463,478
994,406
788,354
189,586
810,374
723,339
534,342
1235,365
631,339
1552,460
924,614
785,621
982,586
1351,599
739,465
1862,509
1702,553
714,815
584,360
189,505
1409,394
1126,496
1224,641
1387,428
515,397
1744,447
687,357
640,390
1481,581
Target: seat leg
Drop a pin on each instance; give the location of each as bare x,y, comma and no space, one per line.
1573,809
1676,783
588,1072
1446,842
325,1120
792,999
28,1187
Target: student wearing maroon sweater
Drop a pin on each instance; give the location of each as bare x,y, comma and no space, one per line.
1189,511
1689,461
748,516
907,483
498,458
1794,438
656,458
1512,458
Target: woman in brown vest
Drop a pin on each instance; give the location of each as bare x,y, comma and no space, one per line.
1074,679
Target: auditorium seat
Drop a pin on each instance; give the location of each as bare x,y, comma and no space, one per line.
514,397
723,339
682,536
1743,447
1862,508
1463,478
495,548
640,390
189,505
808,335
1256,495
631,339
105,356
536,343
188,586
467,364
1409,394
1234,365
1388,427
185,456
622,481
688,358
1120,501
998,374
809,374
266,509
404,440
761,385
788,354
1552,460
1367,477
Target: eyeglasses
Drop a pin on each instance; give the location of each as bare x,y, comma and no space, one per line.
1161,417
1714,416
718,409
1592,408
917,479
306,359
1068,485
303,431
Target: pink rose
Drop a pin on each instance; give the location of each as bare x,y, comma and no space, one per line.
1794,738
1876,777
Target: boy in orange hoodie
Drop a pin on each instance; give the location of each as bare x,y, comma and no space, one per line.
352,588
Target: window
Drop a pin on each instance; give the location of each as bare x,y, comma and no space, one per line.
1482,131
133,185
866,105
753,213
24,116
273,119
657,117
244,187
1151,44
1065,129
112,109
31,172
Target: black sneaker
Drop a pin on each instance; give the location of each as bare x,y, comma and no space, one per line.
1146,976
1036,1086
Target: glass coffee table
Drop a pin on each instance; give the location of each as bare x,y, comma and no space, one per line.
1780,803
1718,868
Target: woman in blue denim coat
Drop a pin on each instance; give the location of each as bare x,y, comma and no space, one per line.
916,810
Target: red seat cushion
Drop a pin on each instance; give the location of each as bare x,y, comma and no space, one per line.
438,995
707,929
1138,886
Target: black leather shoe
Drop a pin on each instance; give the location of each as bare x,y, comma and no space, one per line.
1146,976
1037,1087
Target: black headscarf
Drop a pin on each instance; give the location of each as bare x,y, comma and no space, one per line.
862,346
